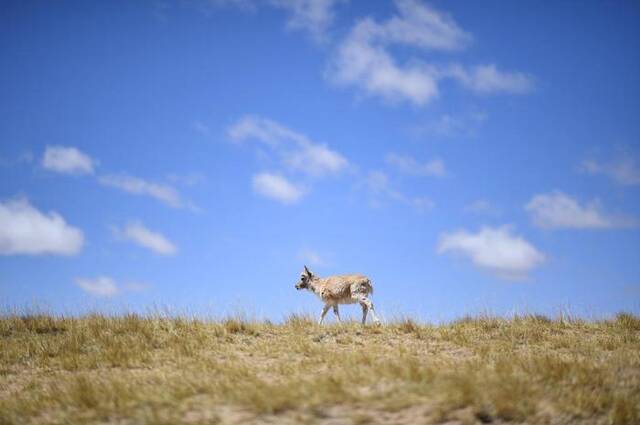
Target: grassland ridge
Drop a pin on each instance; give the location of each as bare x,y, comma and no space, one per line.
159,370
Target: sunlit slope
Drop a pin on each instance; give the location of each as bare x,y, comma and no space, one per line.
130,369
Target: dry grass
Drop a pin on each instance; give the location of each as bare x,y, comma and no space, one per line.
131,369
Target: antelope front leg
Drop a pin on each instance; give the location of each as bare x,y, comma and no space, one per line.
324,312
364,313
367,306
337,313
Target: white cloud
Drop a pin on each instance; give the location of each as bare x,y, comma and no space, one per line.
487,79
408,165
314,16
262,129
100,287
277,187
315,159
380,187
364,58
556,210
371,67
162,192
139,234
421,25
25,230
494,249
624,171
67,160
106,287
295,150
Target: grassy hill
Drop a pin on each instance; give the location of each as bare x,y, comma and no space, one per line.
131,369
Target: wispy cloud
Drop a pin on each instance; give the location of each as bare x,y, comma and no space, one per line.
311,257
102,286
380,188
200,127
364,58
206,7
164,193
450,125
187,179
25,230
418,24
107,287
624,171
25,157
488,79
314,16
137,233
482,207
277,187
409,165
264,130
67,160
315,159
495,249
557,210
295,150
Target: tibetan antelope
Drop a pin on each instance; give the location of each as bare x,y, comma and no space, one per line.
334,290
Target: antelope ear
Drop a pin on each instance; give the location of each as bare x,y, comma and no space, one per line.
308,271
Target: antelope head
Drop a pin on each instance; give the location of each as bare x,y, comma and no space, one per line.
305,278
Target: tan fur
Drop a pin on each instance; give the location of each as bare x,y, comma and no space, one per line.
340,289
343,289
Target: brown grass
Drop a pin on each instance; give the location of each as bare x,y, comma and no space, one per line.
155,370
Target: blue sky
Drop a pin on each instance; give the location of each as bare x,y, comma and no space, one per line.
467,156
